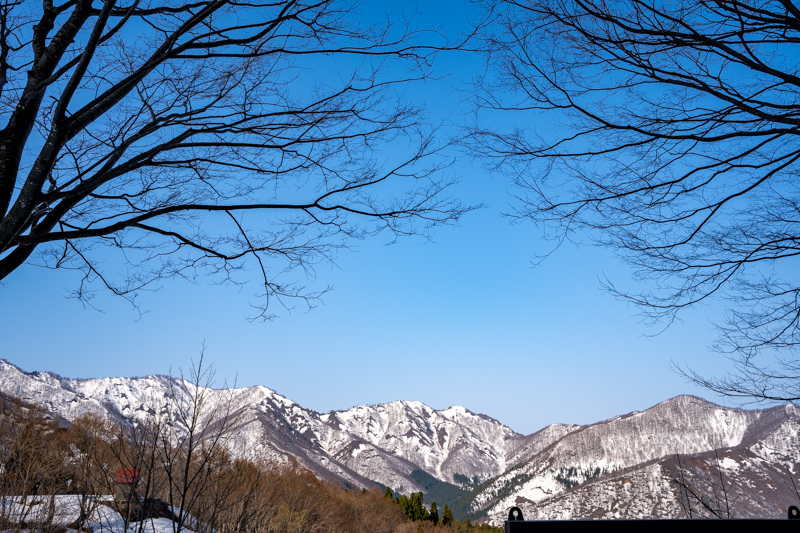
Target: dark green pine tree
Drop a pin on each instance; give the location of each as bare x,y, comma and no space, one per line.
447,516
387,493
417,507
433,516
405,506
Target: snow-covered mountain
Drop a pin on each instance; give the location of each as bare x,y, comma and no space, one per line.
628,467
624,467
362,446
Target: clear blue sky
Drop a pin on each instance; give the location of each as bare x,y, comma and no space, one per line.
464,319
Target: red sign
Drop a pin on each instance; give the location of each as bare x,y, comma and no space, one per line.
127,475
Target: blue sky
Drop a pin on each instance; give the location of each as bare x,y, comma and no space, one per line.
462,319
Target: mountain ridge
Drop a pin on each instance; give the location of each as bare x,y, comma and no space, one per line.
364,444
562,470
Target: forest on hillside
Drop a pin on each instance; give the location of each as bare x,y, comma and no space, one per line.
151,471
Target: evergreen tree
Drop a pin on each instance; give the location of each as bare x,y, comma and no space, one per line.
447,516
417,509
405,506
434,514
413,507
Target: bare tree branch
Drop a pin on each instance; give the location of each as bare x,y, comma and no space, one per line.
675,143
206,137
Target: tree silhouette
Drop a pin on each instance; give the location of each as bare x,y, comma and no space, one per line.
668,131
207,138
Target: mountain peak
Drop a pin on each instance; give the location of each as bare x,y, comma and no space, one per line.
391,443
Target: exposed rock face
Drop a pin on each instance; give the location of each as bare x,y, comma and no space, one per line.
361,446
682,457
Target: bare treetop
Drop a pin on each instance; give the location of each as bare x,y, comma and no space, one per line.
667,130
203,138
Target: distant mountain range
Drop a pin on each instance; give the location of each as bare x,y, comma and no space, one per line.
682,457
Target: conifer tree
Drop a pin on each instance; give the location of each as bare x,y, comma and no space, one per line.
447,515
434,514
416,507
405,506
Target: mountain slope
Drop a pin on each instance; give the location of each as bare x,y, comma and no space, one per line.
361,446
636,447
643,464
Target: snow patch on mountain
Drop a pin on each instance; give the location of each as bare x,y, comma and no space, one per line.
624,467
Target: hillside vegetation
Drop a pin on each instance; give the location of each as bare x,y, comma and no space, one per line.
142,474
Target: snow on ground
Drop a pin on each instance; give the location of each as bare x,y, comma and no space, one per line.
66,511
729,464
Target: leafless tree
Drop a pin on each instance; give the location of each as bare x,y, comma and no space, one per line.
722,490
667,130
701,487
136,449
34,466
194,446
683,489
208,137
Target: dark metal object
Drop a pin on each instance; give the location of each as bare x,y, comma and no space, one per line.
687,525
515,514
